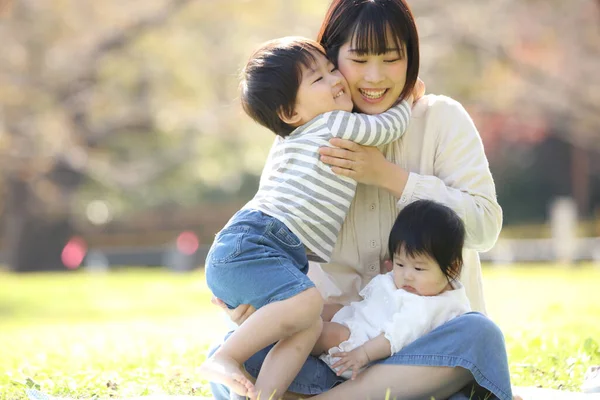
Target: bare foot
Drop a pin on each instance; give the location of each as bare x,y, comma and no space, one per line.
225,370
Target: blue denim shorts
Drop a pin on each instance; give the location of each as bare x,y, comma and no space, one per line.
255,259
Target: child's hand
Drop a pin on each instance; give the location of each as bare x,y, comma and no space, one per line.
418,90
354,360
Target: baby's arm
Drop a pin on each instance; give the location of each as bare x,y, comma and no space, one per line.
370,130
332,335
372,350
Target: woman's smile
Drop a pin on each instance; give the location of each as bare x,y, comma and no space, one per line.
373,95
375,80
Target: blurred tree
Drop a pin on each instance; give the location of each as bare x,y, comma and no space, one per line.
52,134
129,103
134,105
523,56
526,70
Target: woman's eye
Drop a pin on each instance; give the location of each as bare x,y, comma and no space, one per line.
391,61
333,69
399,265
419,269
318,79
358,61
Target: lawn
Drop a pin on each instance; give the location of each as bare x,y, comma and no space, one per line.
144,331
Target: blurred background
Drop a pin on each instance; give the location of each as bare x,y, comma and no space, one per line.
122,141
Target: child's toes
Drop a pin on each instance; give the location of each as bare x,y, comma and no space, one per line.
252,391
244,383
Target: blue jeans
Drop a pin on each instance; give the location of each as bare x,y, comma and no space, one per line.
255,259
471,341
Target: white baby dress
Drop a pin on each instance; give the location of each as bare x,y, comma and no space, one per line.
402,316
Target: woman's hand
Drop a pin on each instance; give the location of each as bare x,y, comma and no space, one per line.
239,314
354,360
365,164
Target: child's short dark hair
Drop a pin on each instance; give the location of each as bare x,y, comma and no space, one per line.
431,229
271,78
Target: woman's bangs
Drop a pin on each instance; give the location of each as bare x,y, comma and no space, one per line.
369,34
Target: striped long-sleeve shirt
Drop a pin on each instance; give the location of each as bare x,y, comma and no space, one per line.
303,192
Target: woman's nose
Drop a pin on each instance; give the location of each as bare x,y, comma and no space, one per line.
373,73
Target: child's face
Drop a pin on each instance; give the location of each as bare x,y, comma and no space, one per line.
419,275
323,89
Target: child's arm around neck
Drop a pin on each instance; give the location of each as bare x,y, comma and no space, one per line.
370,130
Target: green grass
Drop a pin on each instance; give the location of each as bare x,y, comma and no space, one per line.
550,317
143,331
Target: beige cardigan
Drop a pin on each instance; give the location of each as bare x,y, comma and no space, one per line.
444,154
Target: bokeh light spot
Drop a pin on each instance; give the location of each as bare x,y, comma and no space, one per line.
187,243
98,212
73,253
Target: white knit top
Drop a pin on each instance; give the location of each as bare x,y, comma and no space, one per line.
444,154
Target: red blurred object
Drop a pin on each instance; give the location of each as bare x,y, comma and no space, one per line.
74,252
187,243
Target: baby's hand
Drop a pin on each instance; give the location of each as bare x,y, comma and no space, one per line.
354,360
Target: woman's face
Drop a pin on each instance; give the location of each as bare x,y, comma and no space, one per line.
375,81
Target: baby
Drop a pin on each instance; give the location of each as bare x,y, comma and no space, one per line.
420,294
260,256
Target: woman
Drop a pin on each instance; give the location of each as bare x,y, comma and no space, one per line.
441,157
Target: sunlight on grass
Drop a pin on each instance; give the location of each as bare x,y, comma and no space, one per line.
550,317
145,331
133,332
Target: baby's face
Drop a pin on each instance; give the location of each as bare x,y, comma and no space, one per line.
419,275
323,89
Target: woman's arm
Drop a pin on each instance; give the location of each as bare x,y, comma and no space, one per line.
461,176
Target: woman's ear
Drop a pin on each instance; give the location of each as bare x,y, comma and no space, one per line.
292,119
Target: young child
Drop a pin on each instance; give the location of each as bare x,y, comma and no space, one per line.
259,257
420,294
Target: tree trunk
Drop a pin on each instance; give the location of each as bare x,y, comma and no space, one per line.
31,242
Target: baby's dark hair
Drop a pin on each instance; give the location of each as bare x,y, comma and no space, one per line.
430,229
271,79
